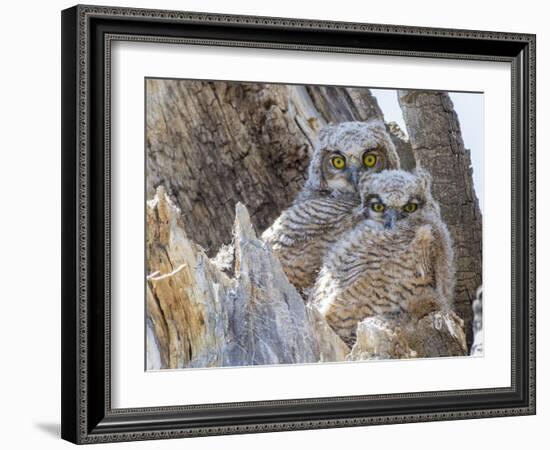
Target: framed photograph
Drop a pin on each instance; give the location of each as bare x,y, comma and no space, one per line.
281,224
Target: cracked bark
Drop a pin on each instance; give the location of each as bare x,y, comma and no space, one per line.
434,334
434,132
197,316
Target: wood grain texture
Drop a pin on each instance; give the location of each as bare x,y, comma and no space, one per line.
434,334
197,316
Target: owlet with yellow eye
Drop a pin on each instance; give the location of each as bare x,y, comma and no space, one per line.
324,208
397,260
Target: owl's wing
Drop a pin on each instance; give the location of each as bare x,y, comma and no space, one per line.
286,232
306,221
422,245
443,264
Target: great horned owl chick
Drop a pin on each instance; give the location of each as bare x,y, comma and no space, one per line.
324,207
397,260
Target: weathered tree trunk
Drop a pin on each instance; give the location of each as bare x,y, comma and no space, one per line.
213,144
435,334
436,140
197,316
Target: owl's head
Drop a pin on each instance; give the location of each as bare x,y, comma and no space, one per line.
345,151
395,198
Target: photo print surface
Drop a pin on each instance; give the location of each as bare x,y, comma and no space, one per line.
298,224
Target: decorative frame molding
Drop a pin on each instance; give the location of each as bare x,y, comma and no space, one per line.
87,34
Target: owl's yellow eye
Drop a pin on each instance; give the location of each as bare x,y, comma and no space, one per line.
338,162
410,207
378,207
369,159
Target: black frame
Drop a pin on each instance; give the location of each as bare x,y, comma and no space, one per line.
87,32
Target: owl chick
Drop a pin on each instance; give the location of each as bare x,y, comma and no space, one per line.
397,260
324,207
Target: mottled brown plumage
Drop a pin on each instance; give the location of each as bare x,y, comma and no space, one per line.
302,233
325,207
397,260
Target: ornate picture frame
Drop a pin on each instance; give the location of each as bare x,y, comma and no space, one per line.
88,33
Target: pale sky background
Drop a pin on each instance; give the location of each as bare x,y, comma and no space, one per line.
469,108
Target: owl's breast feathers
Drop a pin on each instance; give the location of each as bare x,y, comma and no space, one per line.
303,232
375,271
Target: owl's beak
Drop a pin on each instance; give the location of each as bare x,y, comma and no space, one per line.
390,217
354,170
